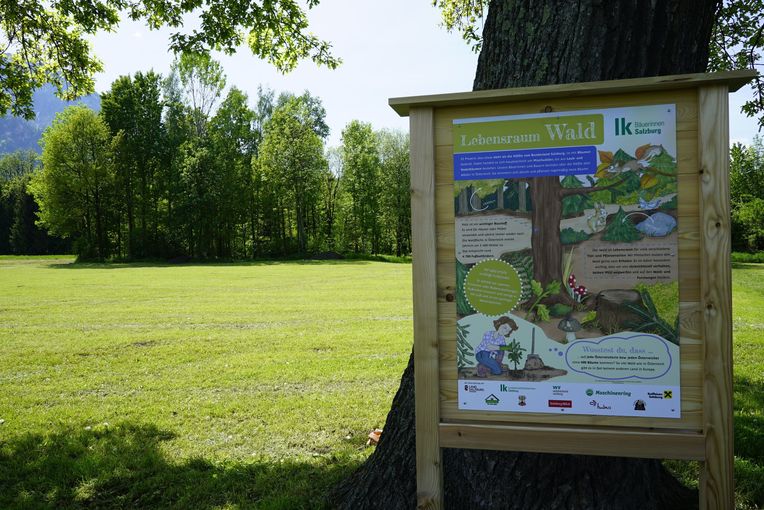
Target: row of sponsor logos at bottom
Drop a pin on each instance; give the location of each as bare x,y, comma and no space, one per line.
639,404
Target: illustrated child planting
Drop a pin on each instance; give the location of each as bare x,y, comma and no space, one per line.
489,354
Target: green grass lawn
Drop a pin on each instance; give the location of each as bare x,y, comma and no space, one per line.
748,334
748,373
236,385
204,386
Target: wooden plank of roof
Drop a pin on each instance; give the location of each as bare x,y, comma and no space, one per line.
732,79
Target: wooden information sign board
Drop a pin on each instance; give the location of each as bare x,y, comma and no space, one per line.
571,273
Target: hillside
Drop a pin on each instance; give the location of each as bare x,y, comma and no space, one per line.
19,134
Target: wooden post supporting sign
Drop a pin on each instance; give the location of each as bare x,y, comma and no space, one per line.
571,273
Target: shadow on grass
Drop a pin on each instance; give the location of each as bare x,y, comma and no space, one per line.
123,466
239,263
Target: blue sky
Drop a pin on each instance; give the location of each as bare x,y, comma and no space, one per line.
389,49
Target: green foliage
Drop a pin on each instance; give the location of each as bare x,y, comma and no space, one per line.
621,157
574,205
76,187
670,205
395,200
464,351
192,180
621,229
623,184
48,43
567,269
132,109
747,171
514,352
538,311
590,319
18,210
463,306
361,182
316,113
736,43
570,236
16,165
292,160
463,16
747,196
651,320
659,178
203,81
748,224
748,258
560,310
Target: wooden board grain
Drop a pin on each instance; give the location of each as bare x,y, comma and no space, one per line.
716,484
731,80
640,443
426,375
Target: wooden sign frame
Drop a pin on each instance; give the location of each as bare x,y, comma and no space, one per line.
704,432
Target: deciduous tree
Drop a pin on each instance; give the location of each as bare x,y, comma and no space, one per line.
360,163
291,154
75,188
540,43
395,199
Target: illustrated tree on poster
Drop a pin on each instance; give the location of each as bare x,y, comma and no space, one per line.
615,169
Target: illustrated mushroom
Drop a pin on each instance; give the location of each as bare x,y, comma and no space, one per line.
572,289
569,325
579,292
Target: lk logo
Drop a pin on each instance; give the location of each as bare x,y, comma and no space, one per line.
622,127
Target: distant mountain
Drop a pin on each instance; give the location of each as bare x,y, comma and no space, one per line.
19,134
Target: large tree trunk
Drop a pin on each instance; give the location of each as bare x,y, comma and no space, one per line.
528,43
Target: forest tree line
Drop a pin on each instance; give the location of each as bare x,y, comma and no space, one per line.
747,196
172,168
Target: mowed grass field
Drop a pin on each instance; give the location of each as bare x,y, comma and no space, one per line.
236,385
194,386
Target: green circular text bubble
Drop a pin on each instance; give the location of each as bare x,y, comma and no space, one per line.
492,287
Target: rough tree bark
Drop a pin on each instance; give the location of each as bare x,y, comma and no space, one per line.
528,43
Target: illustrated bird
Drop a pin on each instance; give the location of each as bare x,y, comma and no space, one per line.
644,204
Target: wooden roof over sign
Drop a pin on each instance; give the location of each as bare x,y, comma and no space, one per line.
733,79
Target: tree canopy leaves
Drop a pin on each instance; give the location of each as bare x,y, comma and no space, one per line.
46,42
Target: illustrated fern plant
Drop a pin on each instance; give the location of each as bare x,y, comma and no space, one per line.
463,306
464,351
538,311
